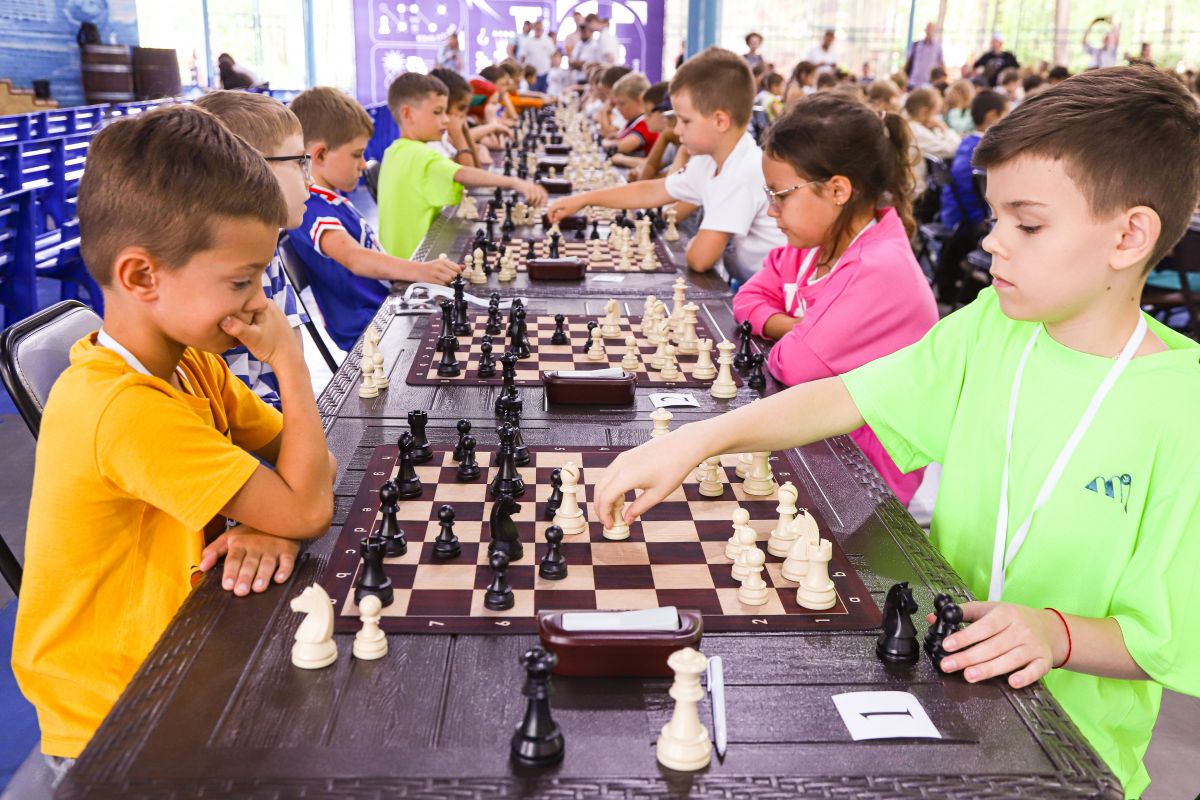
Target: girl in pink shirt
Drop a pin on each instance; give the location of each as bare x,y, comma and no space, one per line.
846,288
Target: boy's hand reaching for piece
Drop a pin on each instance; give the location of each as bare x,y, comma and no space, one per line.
563,207
657,468
1005,638
252,559
440,271
535,195
268,335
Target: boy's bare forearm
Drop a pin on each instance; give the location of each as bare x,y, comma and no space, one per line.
303,462
1098,648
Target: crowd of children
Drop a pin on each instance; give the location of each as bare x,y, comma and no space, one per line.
812,223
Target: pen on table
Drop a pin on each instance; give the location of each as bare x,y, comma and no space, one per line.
716,688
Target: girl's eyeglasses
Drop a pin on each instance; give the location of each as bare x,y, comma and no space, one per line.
773,197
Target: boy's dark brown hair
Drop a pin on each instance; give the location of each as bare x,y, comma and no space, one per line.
655,94
514,70
412,88
331,116
492,73
612,75
717,80
457,86
163,180
985,102
825,134
260,119
1127,136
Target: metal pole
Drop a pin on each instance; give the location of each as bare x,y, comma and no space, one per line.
912,18
310,47
703,20
208,56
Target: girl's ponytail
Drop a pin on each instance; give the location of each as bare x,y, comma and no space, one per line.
903,151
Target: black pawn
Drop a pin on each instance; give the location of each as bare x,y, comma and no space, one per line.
538,742
407,482
595,229
494,324
553,566
741,361
756,380
464,428
556,495
581,233
507,480
372,578
512,415
448,366
949,616
897,644
468,467
487,364
446,545
560,335
591,326
390,534
555,238
499,595
531,251
447,323
422,452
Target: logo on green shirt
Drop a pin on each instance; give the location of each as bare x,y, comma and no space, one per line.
1116,487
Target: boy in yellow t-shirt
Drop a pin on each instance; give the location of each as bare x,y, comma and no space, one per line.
1065,419
147,440
415,182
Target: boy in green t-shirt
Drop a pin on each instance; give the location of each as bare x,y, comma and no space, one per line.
416,181
1066,420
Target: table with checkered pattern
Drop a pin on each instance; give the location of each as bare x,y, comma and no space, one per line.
572,247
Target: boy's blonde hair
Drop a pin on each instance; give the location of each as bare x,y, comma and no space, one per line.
717,80
633,86
331,116
261,120
162,180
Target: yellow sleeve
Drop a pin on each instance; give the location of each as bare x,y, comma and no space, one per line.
155,448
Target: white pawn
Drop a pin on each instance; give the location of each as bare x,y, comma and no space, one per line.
741,521
783,535
672,233
816,591
619,529
670,368
368,389
723,387
630,361
759,481
369,643
649,262
747,539
684,745
596,352
744,462
659,356
711,484
569,516
753,591
662,422
704,369
477,276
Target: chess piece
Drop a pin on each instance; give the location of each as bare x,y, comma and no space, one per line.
759,480
380,377
531,251
670,367
494,324
518,336
422,452
620,528
744,462
486,368
468,468
683,744
560,335
735,545
512,415
782,535
463,427
370,643
446,544
314,647
756,380
661,418
753,591
723,387
704,370
591,329
897,643
507,479
553,567
556,494
504,533
569,516
688,341
555,239
596,352
630,361
372,579
741,362
747,542
659,357
672,233
805,532
407,481
447,306
948,616
538,741
611,326
678,301
499,595
390,534
816,591
367,389
508,389
711,484
448,367
595,235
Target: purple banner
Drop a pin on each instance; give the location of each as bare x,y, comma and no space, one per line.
396,37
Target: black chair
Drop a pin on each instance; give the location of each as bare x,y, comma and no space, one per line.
371,179
293,265
934,235
33,353
1175,282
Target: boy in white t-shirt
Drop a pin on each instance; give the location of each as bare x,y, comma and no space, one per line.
712,95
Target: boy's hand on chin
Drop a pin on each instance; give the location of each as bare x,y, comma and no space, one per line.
268,334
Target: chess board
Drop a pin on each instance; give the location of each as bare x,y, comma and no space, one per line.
570,247
601,214
547,356
674,556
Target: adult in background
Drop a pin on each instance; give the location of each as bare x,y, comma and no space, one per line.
824,53
234,75
1144,58
516,50
608,39
753,42
995,61
589,48
539,53
1106,54
923,56
572,39
450,57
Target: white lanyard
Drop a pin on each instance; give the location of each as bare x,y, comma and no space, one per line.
105,340
792,290
1002,557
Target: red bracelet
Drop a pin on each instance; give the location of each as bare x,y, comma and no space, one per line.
1068,627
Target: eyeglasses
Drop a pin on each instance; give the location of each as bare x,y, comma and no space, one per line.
305,163
773,200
